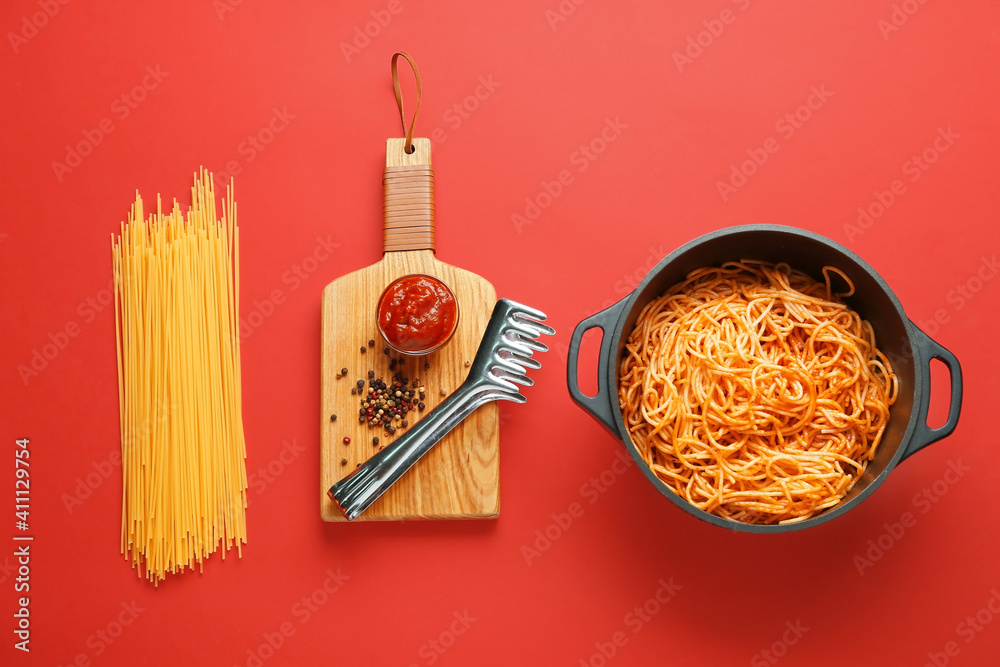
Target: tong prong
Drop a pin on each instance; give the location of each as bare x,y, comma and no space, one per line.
517,378
532,329
500,365
520,359
524,345
521,309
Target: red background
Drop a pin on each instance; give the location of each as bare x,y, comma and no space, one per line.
651,189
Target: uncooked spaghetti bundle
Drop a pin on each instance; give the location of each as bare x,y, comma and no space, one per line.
754,392
176,279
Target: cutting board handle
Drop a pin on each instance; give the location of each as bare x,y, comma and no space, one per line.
408,183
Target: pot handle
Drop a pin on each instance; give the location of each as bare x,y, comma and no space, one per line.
602,405
924,435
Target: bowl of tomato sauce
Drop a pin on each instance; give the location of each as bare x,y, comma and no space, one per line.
417,314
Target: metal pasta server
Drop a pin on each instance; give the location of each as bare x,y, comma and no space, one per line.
501,364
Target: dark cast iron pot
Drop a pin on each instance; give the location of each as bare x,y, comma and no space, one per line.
908,348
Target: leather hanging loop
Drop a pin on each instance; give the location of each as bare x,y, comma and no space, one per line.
407,131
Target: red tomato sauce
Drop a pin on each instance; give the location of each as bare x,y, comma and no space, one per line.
417,313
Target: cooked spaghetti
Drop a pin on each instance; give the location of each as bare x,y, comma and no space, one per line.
177,328
754,392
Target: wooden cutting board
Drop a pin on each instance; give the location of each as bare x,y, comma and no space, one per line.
459,478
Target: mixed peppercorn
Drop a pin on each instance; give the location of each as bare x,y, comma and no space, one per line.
385,404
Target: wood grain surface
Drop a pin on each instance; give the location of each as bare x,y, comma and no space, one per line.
459,478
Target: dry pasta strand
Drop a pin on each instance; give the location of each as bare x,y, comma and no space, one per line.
184,477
